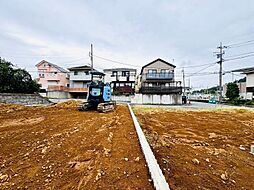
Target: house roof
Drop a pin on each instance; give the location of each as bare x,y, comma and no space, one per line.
245,70
159,59
120,69
85,67
53,65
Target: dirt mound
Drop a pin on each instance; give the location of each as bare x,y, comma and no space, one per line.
68,104
10,107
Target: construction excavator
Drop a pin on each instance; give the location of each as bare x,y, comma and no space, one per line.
99,98
99,93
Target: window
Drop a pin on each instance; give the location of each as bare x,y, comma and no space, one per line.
55,73
86,72
75,72
125,73
164,71
114,73
153,71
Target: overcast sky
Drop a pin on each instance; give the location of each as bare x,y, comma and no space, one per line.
182,32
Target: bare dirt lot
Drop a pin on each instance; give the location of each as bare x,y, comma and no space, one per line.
202,149
58,147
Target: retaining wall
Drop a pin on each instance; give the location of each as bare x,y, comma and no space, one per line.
165,99
25,99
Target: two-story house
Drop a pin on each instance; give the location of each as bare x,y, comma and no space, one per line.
122,80
249,81
156,84
51,75
157,77
80,78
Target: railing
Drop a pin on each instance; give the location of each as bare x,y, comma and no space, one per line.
161,90
78,89
57,88
158,76
123,89
66,89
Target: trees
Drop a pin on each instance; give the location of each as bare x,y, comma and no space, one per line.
232,91
16,80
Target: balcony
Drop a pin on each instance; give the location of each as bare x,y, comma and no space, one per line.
78,90
161,90
57,88
67,89
158,76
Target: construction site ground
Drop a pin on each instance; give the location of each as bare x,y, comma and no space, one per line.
58,147
201,149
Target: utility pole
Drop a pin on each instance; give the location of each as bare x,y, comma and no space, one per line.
183,82
91,57
220,56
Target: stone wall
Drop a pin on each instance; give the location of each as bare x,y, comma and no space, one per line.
25,99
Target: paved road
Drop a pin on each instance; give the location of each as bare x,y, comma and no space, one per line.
198,105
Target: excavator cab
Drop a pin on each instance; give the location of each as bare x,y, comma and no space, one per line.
99,98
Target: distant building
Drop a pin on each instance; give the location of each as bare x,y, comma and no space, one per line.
249,81
80,78
156,84
122,80
50,74
157,77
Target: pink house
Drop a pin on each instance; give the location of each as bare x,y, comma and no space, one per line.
52,76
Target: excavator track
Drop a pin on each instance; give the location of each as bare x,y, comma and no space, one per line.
84,106
106,107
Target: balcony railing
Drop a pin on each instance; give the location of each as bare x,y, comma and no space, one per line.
66,89
158,76
57,88
161,90
78,90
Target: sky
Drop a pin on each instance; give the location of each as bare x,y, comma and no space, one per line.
183,32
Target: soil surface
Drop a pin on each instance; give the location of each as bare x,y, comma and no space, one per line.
202,149
59,147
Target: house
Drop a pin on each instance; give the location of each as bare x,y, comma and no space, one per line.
156,84
80,78
157,77
249,81
122,80
50,74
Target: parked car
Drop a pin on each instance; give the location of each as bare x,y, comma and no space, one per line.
213,101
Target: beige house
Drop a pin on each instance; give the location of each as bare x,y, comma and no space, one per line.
51,75
157,77
249,81
156,84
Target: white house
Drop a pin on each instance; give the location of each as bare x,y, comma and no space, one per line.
122,80
249,81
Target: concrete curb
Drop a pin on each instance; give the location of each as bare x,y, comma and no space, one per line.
157,176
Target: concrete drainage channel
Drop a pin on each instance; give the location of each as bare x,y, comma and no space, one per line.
157,176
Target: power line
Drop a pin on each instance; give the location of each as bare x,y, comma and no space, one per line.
240,43
241,57
210,65
191,66
106,59
240,54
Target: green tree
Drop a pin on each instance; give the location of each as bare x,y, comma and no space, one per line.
232,91
16,80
